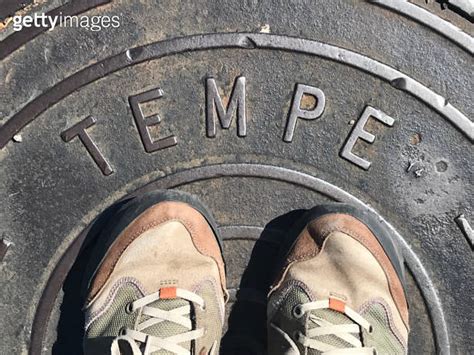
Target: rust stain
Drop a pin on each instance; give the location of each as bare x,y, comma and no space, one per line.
308,102
415,139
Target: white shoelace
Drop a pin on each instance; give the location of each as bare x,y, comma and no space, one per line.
342,331
179,315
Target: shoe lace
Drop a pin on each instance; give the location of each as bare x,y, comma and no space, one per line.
150,343
324,327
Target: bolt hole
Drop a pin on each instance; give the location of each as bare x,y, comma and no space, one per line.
441,166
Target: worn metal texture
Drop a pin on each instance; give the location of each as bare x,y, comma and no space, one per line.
8,8
260,108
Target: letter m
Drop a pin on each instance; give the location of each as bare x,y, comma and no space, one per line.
235,103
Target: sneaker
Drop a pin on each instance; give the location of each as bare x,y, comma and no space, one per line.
160,288
340,290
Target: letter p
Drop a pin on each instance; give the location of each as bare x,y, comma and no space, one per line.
298,112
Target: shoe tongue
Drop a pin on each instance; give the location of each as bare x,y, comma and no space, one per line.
335,318
166,328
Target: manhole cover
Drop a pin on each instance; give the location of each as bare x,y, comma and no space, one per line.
261,109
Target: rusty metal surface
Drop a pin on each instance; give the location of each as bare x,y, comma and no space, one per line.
259,109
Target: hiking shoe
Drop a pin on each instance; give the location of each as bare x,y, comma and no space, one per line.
160,288
340,289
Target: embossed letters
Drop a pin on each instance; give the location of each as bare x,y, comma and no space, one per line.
214,104
144,122
308,103
359,132
79,129
298,112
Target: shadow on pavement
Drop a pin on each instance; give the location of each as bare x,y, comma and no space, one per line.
70,328
246,333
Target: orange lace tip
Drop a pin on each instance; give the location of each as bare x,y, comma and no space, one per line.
168,292
337,305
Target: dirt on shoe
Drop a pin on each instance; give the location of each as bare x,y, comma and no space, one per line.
160,288
340,289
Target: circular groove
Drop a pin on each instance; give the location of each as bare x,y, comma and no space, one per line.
420,274
426,18
232,40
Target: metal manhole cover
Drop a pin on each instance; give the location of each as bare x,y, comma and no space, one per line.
259,108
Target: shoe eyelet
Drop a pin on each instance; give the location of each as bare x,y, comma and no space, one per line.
370,330
122,331
129,308
297,311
